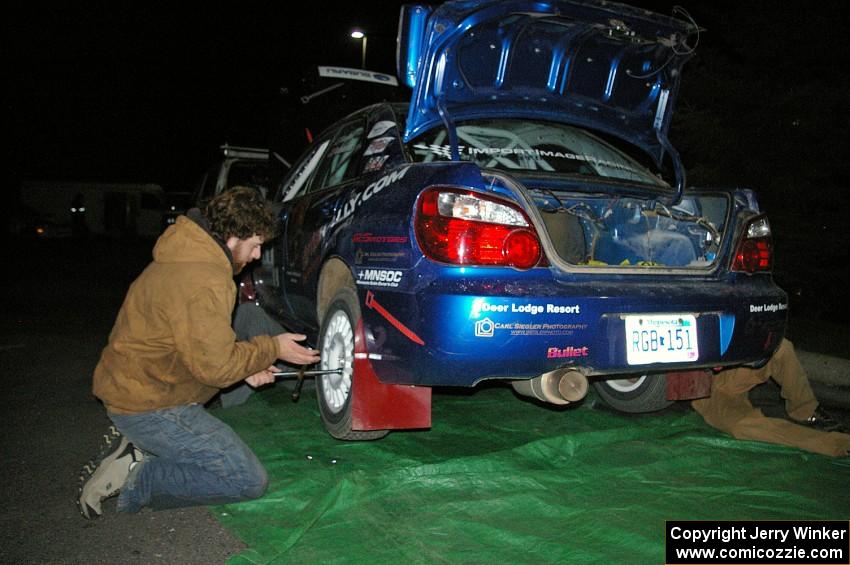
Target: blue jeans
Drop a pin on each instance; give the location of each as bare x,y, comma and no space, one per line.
191,459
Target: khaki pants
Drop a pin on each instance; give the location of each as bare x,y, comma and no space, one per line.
729,409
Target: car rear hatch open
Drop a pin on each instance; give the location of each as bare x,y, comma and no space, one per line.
599,207
600,65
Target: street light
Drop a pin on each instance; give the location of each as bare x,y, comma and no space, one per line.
358,34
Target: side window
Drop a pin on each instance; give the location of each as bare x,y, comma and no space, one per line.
340,160
294,184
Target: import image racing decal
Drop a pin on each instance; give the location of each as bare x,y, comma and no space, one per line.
521,152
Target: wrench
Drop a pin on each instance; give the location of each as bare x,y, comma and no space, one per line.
302,374
296,393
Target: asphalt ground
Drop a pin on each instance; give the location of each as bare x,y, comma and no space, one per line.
58,311
59,305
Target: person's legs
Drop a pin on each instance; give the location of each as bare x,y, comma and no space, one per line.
195,459
105,475
786,370
249,321
729,409
729,403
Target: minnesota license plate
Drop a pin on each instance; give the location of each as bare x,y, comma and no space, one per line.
661,338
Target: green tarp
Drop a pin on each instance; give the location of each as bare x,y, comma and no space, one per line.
499,479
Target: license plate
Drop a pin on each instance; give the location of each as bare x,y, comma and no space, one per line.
661,338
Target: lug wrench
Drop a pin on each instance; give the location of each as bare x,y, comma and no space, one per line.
301,374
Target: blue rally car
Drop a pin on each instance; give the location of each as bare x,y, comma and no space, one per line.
509,223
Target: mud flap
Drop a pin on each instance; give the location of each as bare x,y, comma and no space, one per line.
688,385
379,406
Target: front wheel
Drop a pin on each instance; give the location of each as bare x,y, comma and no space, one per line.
336,342
635,395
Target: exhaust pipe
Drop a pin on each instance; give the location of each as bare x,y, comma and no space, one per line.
560,386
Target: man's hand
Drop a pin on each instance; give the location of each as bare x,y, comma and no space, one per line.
264,377
293,353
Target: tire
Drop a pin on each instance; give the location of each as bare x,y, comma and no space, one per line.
336,343
636,395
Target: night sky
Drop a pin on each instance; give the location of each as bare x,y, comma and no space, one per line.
100,91
148,93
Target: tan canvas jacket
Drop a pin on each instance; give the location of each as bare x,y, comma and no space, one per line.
172,343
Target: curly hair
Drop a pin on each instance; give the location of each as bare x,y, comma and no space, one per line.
240,212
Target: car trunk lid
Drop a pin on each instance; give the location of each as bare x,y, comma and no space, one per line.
600,65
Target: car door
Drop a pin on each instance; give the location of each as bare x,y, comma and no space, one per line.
269,276
312,212
307,198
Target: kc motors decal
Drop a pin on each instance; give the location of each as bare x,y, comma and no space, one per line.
369,237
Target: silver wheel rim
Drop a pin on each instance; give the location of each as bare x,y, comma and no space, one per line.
626,385
337,353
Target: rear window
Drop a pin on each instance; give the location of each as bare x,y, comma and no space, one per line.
522,145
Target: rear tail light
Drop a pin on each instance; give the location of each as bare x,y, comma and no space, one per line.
466,228
755,250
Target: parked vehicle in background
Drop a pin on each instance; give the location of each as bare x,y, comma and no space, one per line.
175,204
495,229
74,208
236,166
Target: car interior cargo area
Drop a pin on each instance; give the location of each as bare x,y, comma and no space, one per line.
605,231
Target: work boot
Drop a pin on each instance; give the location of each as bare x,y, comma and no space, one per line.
823,421
99,481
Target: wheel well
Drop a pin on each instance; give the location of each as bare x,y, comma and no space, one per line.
335,275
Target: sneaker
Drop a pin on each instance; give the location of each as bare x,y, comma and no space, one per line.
99,481
823,421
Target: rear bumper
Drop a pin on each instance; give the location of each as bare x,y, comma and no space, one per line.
451,335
